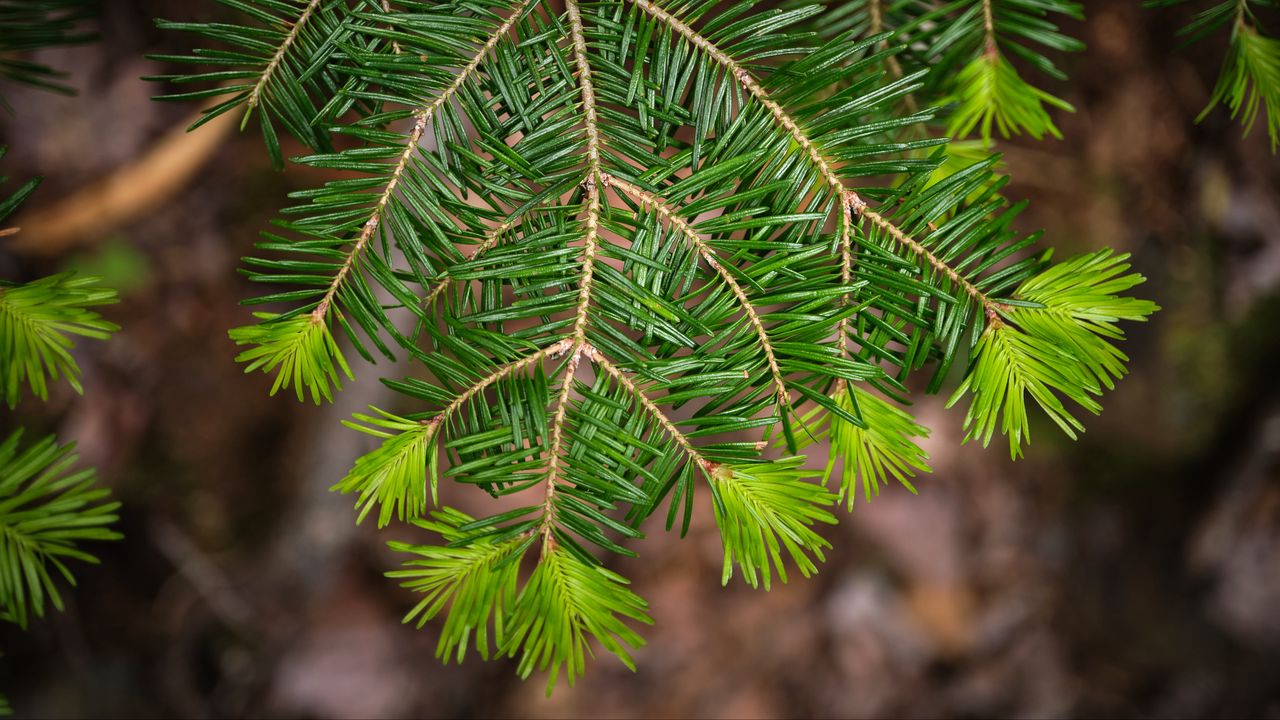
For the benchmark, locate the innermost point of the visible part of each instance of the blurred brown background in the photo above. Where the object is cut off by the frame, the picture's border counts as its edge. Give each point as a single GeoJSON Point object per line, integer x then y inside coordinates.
{"type": "Point", "coordinates": [1134, 573]}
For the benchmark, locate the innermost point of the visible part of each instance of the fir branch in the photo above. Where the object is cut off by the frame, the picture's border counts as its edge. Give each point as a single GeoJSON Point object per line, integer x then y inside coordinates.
{"type": "Point", "coordinates": [491, 240]}
{"type": "Point", "coordinates": [46, 511]}
{"type": "Point", "coordinates": [375, 218]}
{"type": "Point", "coordinates": [989, 26]}
{"type": "Point", "coordinates": [588, 261]}
{"type": "Point", "coordinates": [749, 83]}
{"type": "Point", "coordinates": [845, 230]}
{"type": "Point", "coordinates": [965, 47]}
{"type": "Point", "coordinates": [741, 283]}
{"type": "Point", "coordinates": [879, 449]}
{"type": "Point", "coordinates": [820, 161]}
{"type": "Point", "coordinates": [396, 474]}
{"type": "Point", "coordinates": [503, 371]}
{"type": "Point", "coordinates": [255, 95]}
{"type": "Point", "coordinates": [989, 307]}
{"type": "Point", "coordinates": [277, 348]}
{"type": "Point", "coordinates": [565, 601]}
{"type": "Point", "coordinates": [298, 350]}
{"type": "Point", "coordinates": [990, 94]}
{"type": "Point", "coordinates": [764, 509]}
{"type": "Point", "coordinates": [37, 322]}
{"type": "Point", "coordinates": [27, 25]}
{"type": "Point", "coordinates": [1058, 345]}
{"type": "Point", "coordinates": [709, 256]}
{"type": "Point", "coordinates": [652, 408]}
{"type": "Point", "coordinates": [477, 582]}
{"type": "Point", "coordinates": [422, 117]}
{"type": "Point", "coordinates": [1249, 81]}
{"type": "Point", "coordinates": [282, 63]}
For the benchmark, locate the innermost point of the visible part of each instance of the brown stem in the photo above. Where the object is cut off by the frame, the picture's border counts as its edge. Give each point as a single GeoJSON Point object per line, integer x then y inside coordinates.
{"type": "Point", "coordinates": [490, 240]}
{"type": "Point", "coordinates": [255, 95]}
{"type": "Point", "coordinates": [824, 166]}
{"type": "Point", "coordinates": [989, 26]}
{"type": "Point", "coordinates": [708, 255]}
{"type": "Point", "coordinates": [422, 116]}
{"type": "Point", "coordinates": [589, 248]}
{"type": "Point", "coordinates": [648, 404]}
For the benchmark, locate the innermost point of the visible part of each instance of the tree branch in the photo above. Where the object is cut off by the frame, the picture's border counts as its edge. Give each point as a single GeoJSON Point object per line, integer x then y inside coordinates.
{"type": "Point", "coordinates": [490, 240]}
{"type": "Point", "coordinates": [846, 272]}
{"type": "Point", "coordinates": [989, 26]}
{"type": "Point", "coordinates": [989, 306]}
{"type": "Point", "coordinates": [504, 370]}
{"type": "Point", "coordinates": [255, 95]}
{"type": "Point", "coordinates": [824, 166]}
{"type": "Point", "coordinates": [751, 85]}
{"type": "Point", "coordinates": [666, 212]}
{"type": "Point", "coordinates": [589, 248]}
{"type": "Point", "coordinates": [665, 422]}
{"type": "Point", "coordinates": [421, 117]}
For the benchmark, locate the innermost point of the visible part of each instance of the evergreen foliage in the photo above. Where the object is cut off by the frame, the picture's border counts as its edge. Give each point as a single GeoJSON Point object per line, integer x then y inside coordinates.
{"type": "Point", "coordinates": [964, 52]}
{"type": "Point", "coordinates": [628, 235]}
{"type": "Point", "coordinates": [1056, 345]}
{"type": "Point", "coordinates": [38, 318]}
{"type": "Point", "coordinates": [36, 322]}
{"type": "Point", "coordinates": [46, 511]}
{"type": "Point", "coordinates": [882, 447]}
{"type": "Point", "coordinates": [281, 66]}
{"type": "Point", "coordinates": [1250, 79]}
{"type": "Point", "coordinates": [764, 508]}
{"type": "Point", "coordinates": [33, 24]}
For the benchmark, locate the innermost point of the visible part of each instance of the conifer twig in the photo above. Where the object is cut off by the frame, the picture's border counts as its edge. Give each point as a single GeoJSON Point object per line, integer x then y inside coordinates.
{"type": "Point", "coordinates": [589, 246]}
{"type": "Point", "coordinates": [255, 95]}
{"type": "Point", "coordinates": [491, 239]}
{"type": "Point", "coordinates": [660, 417]}
{"type": "Point", "coordinates": [846, 274]}
{"type": "Point", "coordinates": [708, 255]}
{"type": "Point", "coordinates": [696, 330]}
{"type": "Point", "coordinates": [989, 27]}
{"type": "Point", "coordinates": [422, 117]}
{"type": "Point", "coordinates": [502, 371]}
{"type": "Point", "coordinates": [824, 166]}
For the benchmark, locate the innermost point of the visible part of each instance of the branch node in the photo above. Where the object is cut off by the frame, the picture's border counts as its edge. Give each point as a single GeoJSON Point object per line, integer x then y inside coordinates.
{"type": "Point", "coordinates": [855, 202]}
